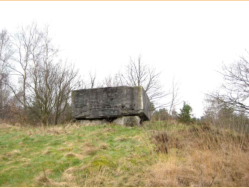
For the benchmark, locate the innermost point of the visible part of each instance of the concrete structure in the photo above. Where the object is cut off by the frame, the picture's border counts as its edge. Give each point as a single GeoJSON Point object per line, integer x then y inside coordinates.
{"type": "Point", "coordinates": [128, 121]}
{"type": "Point", "coordinates": [110, 103]}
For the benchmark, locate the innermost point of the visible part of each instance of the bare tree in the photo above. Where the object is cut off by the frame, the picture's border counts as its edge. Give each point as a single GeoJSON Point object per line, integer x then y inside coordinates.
{"type": "Point", "coordinates": [6, 53]}
{"type": "Point", "coordinates": [66, 82]}
{"type": "Point", "coordinates": [92, 82]}
{"type": "Point", "coordinates": [174, 94]}
{"type": "Point", "coordinates": [92, 79]}
{"type": "Point", "coordinates": [89, 82]}
{"type": "Point", "coordinates": [139, 74]}
{"type": "Point", "coordinates": [52, 91]}
{"type": "Point", "coordinates": [235, 89]}
{"type": "Point", "coordinates": [46, 81]}
{"type": "Point", "coordinates": [112, 81]}
{"type": "Point", "coordinates": [229, 106]}
{"type": "Point", "coordinates": [51, 82]}
{"type": "Point", "coordinates": [211, 109]}
{"type": "Point", "coordinates": [24, 42]}
{"type": "Point", "coordinates": [108, 81]}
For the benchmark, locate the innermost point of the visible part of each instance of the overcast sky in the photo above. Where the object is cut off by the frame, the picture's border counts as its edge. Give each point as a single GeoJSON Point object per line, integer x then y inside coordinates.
{"type": "Point", "coordinates": [185, 40]}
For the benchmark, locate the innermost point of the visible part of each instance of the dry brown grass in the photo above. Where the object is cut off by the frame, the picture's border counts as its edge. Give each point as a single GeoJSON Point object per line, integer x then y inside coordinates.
{"type": "Point", "coordinates": [13, 153]}
{"type": "Point", "coordinates": [160, 139]}
{"type": "Point", "coordinates": [121, 139]}
{"type": "Point", "coordinates": [68, 175]}
{"type": "Point", "coordinates": [201, 156]}
{"type": "Point", "coordinates": [67, 179]}
{"type": "Point", "coordinates": [79, 156]}
{"type": "Point", "coordinates": [5, 126]}
{"type": "Point", "coordinates": [42, 130]}
{"type": "Point", "coordinates": [89, 148]}
{"type": "Point", "coordinates": [8, 126]}
{"type": "Point", "coordinates": [42, 180]}
{"type": "Point", "coordinates": [95, 177]}
{"type": "Point", "coordinates": [192, 156]}
{"type": "Point", "coordinates": [103, 146]}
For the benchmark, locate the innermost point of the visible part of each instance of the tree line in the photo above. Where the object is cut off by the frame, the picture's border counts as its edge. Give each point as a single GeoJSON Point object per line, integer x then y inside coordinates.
{"type": "Point", "coordinates": [227, 107]}
{"type": "Point", "coordinates": [36, 82]}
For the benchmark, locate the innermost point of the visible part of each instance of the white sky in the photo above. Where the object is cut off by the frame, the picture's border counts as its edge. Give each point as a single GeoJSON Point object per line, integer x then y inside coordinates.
{"type": "Point", "coordinates": [185, 40]}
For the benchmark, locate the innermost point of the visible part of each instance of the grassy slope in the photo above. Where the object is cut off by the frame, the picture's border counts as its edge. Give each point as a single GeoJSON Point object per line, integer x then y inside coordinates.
{"type": "Point", "coordinates": [121, 156]}
{"type": "Point", "coordinates": [38, 157]}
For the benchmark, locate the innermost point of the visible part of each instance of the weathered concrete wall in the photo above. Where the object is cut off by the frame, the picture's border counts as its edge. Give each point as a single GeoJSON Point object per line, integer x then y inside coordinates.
{"type": "Point", "coordinates": [110, 102]}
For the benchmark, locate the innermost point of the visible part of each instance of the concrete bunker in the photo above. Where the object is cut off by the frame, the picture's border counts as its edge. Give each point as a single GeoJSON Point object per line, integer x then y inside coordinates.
{"type": "Point", "coordinates": [122, 105]}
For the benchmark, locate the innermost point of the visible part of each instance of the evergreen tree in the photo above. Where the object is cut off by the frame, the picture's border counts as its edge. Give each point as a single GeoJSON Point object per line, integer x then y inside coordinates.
{"type": "Point", "coordinates": [185, 115]}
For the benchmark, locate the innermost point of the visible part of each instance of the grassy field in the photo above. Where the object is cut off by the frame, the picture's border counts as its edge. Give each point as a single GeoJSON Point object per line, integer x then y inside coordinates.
{"type": "Point", "coordinates": [159, 154]}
